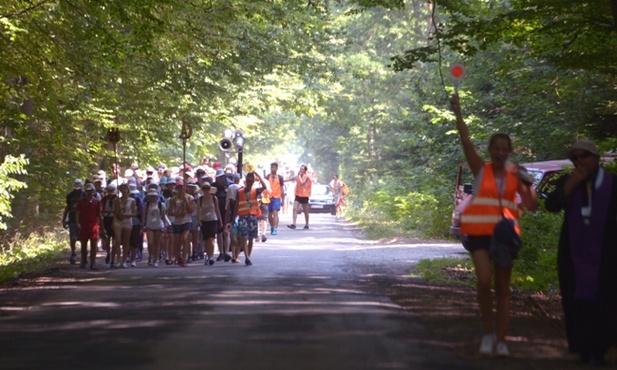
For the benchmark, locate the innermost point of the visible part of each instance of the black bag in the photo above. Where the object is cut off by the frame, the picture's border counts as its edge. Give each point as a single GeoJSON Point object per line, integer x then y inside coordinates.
{"type": "Point", "coordinates": [505, 243]}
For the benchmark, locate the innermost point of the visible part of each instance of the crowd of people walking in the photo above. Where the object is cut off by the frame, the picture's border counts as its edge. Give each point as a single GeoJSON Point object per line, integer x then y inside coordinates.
{"type": "Point", "coordinates": [181, 214]}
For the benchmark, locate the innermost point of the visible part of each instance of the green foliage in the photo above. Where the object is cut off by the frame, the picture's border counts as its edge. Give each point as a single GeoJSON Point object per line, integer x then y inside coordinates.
{"type": "Point", "coordinates": [446, 270]}
{"type": "Point", "coordinates": [536, 267]}
{"type": "Point", "coordinates": [8, 184]}
{"type": "Point", "coordinates": [29, 255]}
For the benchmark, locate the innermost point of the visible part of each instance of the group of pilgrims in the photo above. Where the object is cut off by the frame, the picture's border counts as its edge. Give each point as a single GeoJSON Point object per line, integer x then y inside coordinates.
{"type": "Point", "coordinates": [179, 213]}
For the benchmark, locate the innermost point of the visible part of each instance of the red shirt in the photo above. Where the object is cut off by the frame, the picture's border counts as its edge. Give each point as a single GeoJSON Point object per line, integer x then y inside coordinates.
{"type": "Point", "coordinates": [89, 212]}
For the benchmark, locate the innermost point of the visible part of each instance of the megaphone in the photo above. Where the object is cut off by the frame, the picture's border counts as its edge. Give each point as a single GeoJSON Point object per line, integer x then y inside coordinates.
{"type": "Point", "coordinates": [225, 145]}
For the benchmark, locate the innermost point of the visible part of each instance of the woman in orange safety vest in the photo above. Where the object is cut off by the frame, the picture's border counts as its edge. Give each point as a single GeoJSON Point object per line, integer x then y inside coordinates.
{"type": "Point", "coordinates": [303, 192]}
{"type": "Point", "coordinates": [495, 192]}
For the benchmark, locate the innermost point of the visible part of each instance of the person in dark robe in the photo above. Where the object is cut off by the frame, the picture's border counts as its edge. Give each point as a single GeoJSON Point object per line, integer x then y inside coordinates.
{"type": "Point", "coordinates": [587, 253]}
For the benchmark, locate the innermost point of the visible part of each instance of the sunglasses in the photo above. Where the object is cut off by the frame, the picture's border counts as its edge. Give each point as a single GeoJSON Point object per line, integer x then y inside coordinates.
{"type": "Point", "coordinates": [585, 155]}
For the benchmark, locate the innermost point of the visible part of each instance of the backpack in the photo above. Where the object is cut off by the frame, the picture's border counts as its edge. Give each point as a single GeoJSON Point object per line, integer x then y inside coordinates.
{"type": "Point", "coordinates": [344, 189]}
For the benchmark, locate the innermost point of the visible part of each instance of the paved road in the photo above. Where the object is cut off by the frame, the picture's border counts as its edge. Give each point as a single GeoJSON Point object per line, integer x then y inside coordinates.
{"type": "Point", "coordinates": [308, 302]}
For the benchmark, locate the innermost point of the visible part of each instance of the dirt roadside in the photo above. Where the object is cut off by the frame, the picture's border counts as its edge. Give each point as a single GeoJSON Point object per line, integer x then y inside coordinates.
{"type": "Point", "coordinates": [536, 336]}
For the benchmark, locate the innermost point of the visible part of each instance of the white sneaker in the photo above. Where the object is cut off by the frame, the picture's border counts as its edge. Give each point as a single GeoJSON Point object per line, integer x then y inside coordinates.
{"type": "Point", "coordinates": [501, 349]}
{"type": "Point", "coordinates": [125, 265]}
{"type": "Point", "coordinates": [488, 344]}
{"type": "Point", "coordinates": [156, 264]}
{"type": "Point", "coordinates": [133, 264]}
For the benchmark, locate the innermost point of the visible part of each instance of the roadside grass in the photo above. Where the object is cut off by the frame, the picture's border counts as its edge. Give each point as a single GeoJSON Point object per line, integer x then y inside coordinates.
{"type": "Point", "coordinates": [377, 225]}
{"type": "Point", "coordinates": [35, 253]}
{"type": "Point", "coordinates": [460, 271]}
{"type": "Point", "coordinates": [534, 271]}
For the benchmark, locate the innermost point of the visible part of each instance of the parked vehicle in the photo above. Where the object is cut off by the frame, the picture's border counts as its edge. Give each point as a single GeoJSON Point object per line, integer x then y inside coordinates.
{"type": "Point", "coordinates": [542, 172]}
{"type": "Point", "coordinates": [321, 199]}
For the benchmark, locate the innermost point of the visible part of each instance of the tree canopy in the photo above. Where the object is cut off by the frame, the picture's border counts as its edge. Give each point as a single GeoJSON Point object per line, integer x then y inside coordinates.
{"type": "Point", "coordinates": [358, 87]}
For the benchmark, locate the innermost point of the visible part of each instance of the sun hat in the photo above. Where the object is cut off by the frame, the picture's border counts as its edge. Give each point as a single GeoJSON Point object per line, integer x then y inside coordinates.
{"type": "Point", "coordinates": [219, 173]}
{"type": "Point", "coordinates": [78, 184]}
{"type": "Point", "coordinates": [133, 188]}
{"type": "Point", "coordinates": [90, 187]}
{"type": "Point", "coordinates": [153, 192]}
{"type": "Point", "coordinates": [584, 144]}
{"type": "Point", "coordinates": [111, 189]}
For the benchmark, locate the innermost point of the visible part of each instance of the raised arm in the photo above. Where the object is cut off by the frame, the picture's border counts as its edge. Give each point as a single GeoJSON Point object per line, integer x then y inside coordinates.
{"type": "Point", "coordinates": [473, 159]}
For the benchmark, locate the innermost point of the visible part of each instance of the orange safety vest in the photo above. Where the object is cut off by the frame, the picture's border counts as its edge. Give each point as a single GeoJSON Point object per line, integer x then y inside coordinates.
{"type": "Point", "coordinates": [483, 212]}
{"type": "Point", "coordinates": [250, 206]}
{"type": "Point", "coordinates": [275, 186]}
{"type": "Point", "coordinates": [303, 191]}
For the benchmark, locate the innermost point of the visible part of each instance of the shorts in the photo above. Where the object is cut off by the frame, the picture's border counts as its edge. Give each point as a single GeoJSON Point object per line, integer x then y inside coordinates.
{"type": "Point", "coordinates": [108, 225]}
{"type": "Point", "coordinates": [209, 229]}
{"type": "Point", "coordinates": [179, 229]}
{"type": "Point", "coordinates": [248, 227]}
{"type": "Point", "coordinates": [301, 200]}
{"type": "Point", "coordinates": [89, 233]}
{"type": "Point", "coordinates": [264, 212]}
{"type": "Point", "coordinates": [195, 224]}
{"type": "Point", "coordinates": [135, 237]}
{"type": "Point", "coordinates": [275, 205]}
{"type": "Point", "coordinates": [73, 231]}
{"type": "Point", "coordinates": [477, 242]}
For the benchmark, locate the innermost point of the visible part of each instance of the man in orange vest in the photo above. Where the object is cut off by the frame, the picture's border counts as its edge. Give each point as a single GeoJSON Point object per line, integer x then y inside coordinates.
{"type": "Point", "coordinates": [276, 197]}
{"type": "Point", "coordinates": [303, 192]}
{"type": "Point", "coordinates": [247, 210]}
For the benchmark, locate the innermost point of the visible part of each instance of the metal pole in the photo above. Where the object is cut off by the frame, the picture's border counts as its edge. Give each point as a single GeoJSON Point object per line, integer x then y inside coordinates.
{"type": "Point", "coordinates": [113, 136]}
{"type": "Point", "coordinates": [239, 165]}
{"type": "Point", "coordinates": [187, 131]}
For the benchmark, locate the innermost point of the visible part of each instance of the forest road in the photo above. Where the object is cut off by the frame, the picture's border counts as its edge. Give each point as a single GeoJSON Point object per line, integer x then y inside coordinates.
{"type": "Point", "coordinates": [308, 302]}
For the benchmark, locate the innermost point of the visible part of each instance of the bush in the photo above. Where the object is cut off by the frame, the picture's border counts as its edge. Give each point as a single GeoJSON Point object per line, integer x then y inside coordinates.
{"type": "Point", "coordinates": [536, 267]}
{"type": "Point", "coordinates": [389, 210]}
{"type": "Point", "coordinates": [33, 254]}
